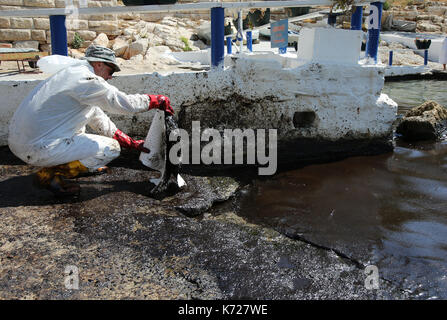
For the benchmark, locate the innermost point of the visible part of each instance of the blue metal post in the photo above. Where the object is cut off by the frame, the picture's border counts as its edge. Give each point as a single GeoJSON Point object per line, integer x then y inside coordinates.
{"type": "Point", "coordinates": [425, 57]}
{"type": "Point", "coordinates": [357, 18]}
{"type": "Point", "coordinates": [58, 35]}
{"type": "Point", "coordinates": [229, 49]}
{"type": "Point", "coordinates": [249, 41]}
{"type": "Point", "coordinates": [390, 60]}
{"type": "Point", "coordinates": [217, 36]}
{"type": "Point", "coordinates": [331, 19]}
{"type": "Point", "coordinates": [374, 23]}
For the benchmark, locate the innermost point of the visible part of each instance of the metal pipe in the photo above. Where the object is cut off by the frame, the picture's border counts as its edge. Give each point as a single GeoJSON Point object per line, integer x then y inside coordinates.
{"type": "Point", "coordinates": [357, 18]}
{"type": "Point", "coordinates": [374, 23]}
{"type": "Point", "coordinates": [331, 19]}
{"type": "Point", "coordinates": [229, 49]}
{"type": "Point", "coordinates": [58, 35]}
{"type": "Point", "coordinates": [217, 36]}
{"type": "Point", "coordinates": [249, 41]}
{"type": "Point", "coordinates": [171, 7]}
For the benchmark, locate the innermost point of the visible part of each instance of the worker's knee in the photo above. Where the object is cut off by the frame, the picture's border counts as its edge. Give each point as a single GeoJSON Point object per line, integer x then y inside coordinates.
{"type": "Point", "coordinates": [108, 152]}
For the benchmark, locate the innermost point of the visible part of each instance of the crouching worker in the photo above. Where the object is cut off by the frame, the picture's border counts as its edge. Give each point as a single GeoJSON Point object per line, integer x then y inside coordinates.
{"type": "Point", "coordinates": [48, 128]}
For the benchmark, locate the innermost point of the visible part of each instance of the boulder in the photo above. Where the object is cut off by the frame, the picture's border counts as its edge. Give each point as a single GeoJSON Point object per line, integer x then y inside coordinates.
{"type": "Point", "coordinates": [154, 40]}
{"type": "Point", "coordinates": [175, 44]}
{"type": "Point", "coordinates": [159, 50]}
{"type": "Point", "coordinates": [165, 32]}
{"type": "Point", "coordinates": [425, 122]}
{"type": "Point", "coordinates": [129, 32]}
{"type": "Point", "coordinates": [204, 32]}
{"type": "Point", "coordinates": [101, 40]}
{"type": "Point", "coordinates": [158, 56]}
{"type": "Point", "coordinates": [169, 21]}
{"type": "Point", "coordinates": [199, 44]}
{"type": "Point", "coordinates": [120, 45]}
{"type": "Point", "coordinates": [427, 27]}
{"type": "Point", "coordinates": [75, 53]}
{"type": "Point", "coordinates": [137, 58]}
{"type": "Point", "coordinates": [138, 47]}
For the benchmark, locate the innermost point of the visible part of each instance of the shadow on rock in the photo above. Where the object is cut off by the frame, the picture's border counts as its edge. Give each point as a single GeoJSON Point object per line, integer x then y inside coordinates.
{"type": "Point", "coordinates": [19, 191]}
{"type": "Point", "coordinates": [197, 197]}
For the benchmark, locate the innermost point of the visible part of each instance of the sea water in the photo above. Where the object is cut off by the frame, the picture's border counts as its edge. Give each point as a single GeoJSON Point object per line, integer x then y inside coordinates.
{"type": "Point", "coordinates": [389, 210]}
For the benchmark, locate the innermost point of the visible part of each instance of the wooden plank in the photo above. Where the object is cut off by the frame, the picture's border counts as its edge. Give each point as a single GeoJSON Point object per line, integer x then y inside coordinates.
{"type": "Point", "coordinates": [20, 56]}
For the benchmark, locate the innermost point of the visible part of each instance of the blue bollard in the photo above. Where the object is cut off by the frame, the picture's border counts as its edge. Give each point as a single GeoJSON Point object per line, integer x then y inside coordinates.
{"type": "Point", "coordinates": [356, 18]}
{"type": "Point", "coordinates": [282, 50]}
{"type": "Point", "coordinates": [229, 49]}
{"type": "Point", "coordinates": [331, 19]}
{"type": "Point", "coordinates": [374, 23]}
{"type": "Point", "coordinates": [425, 57]}
{"type": "Point", "coordinates": [249, 41]}
{"type": "Point", "coordinates": [58, 35]}
{"type": "Point", "coordinates": [390, 60]}
{"type": "Point", "coordinates": [217, 36]}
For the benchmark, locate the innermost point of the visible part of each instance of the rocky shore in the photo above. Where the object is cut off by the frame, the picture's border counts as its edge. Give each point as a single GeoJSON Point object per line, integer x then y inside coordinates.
{"type": "Point", "coordinates": [125, 245]}
{"type": "Point", "coordinates": [119, 243]}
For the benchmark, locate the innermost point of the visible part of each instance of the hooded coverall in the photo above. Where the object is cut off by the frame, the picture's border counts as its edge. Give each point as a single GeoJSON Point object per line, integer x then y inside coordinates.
{"type": "Point", "coordinates": [48, 128]}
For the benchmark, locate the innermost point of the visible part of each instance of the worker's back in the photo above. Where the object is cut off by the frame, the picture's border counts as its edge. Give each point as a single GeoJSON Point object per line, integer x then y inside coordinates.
{"type": "Point", "coordinates": [51, 111]}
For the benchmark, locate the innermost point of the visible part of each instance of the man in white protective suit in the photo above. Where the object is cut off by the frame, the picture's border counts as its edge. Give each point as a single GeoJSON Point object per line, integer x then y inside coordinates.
{"type": "Point", "coordinates": [48, 128]}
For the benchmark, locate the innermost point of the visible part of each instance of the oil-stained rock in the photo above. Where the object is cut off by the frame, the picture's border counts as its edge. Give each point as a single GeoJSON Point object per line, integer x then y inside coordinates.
{"type": "Point", "coordinates": [124, 244]}
{"type": "Point", "coordinates": [203, 192]}
{"type": "Point", "coordinates": [425, 122]}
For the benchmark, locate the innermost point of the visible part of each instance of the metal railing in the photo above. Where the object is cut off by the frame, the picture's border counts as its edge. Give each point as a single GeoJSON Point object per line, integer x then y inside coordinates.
{"type": "Point", "coordinates": [59, 32]}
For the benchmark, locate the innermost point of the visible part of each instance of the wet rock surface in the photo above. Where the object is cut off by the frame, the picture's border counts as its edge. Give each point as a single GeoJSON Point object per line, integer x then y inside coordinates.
{"type": "Point", "coordinates": [127, 245]}
{"type": "Point", "coordinates": [425, 122]}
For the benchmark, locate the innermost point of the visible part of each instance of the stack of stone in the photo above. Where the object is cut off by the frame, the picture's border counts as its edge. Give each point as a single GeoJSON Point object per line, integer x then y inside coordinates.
{"type": "Point", "coordinates": [430, 16]}
{"type": "Point", "coordinates": [35, 32]}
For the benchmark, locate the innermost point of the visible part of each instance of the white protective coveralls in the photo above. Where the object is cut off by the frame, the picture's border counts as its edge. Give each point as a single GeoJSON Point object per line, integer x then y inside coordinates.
{"type": "Point", "coordinates": [443, 53]}
{"type": "Point", "coordinates": [48, 128]}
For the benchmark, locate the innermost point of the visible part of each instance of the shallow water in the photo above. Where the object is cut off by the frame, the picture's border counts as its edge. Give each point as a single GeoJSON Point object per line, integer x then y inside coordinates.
{"type": "Point", "coordinates": [412, 93]}
{"type": "Point", "coordinates": [388, 210]}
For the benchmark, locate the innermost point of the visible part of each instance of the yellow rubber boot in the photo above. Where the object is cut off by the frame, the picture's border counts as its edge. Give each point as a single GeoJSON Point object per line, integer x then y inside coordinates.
{"type": "Point", "coordinates": [43, 177]}
{"type": "Point", "coordinates": [52, 178]}
{"type": "Point", "coordinates": [70, 170]}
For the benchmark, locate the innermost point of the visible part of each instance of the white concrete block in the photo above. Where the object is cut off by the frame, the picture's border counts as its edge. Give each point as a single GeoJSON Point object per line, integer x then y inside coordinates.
{"type": "Point", "coordinates": [329, 45]}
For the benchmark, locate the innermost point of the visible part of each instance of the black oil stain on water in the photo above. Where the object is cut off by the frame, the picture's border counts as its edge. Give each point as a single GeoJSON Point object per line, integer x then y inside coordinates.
{"type": "Point", "coordinates": [388, 210]}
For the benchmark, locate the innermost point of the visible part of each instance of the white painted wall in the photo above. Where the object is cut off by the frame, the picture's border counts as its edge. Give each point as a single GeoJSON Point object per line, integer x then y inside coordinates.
{"type": "Point", "coordinates": [329, 45]}
{"type": "Point", "coordinates": [346, 98]}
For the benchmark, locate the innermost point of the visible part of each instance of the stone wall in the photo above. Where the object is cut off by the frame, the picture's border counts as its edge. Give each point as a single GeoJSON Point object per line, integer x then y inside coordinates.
{"type": "Point", "coordinates": [35, 32]}
{"type": "Point", "coordinates": [430, 16]}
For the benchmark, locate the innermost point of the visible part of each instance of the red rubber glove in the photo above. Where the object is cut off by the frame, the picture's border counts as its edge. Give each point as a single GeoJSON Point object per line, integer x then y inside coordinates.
{"type": "Point", "coordinates": [127, 142]}
{"type": "Point", "coordinates": [160, 102]}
